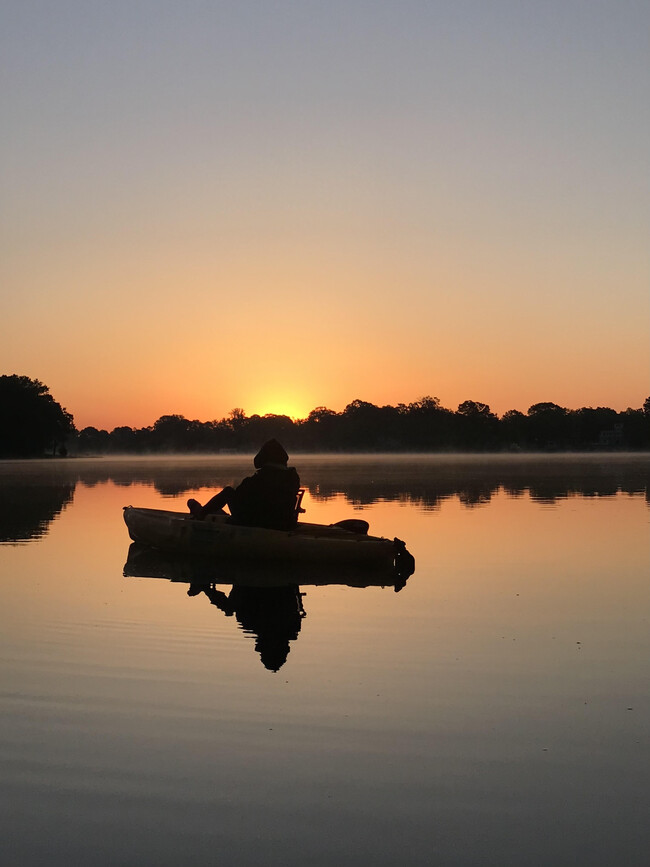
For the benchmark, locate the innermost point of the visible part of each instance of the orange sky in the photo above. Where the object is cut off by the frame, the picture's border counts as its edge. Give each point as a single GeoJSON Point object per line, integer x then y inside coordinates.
{"type": "Point", "coordinates": [258, 207]}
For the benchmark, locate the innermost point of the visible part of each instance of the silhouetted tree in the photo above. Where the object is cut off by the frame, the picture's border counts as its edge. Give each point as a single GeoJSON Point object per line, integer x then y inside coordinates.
{"type": "Point", "coordinates": [513, 428]}
{"type": "Point", "coordinates": [361, 424]}
{"type": "Point", "coordinates": [31, 421]}
{"type": "Point", "coordinates": [423, 425]}
{"type": "Point", "coordinates": [125, 439]}
{"type": "Point", "coordinates": [320, 429]}
{"type": "Point", "coordinates": [548, 425]}
{"type": "Point", "coordinates": [93, 441]}
{"type": "Point", "coordinates": [589, 424]}
{"type": "Point", "coordinates": [636, 427]}
{"type": "Point", "coordinates": [173, 433]}
{"type": "Point", "coordinates": [259, 429]}
{"type": "Point", "coordinates": [477, 425]}
{"type": "Point", "coordinates": [237, 418]}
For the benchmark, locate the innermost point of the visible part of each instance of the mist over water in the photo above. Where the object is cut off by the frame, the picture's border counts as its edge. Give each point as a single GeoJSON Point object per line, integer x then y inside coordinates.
{"type": "Point", "coordinates": [423, 479]}
{"type": "Point", "coordinates": [492, 712]}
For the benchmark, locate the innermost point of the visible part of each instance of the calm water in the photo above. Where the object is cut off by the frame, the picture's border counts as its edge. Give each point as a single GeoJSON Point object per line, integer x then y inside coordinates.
{"type": "Point", "coordinates": [495, 711]}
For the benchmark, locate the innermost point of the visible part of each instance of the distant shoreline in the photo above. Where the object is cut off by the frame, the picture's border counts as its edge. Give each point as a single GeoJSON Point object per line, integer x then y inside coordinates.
{"type": "Point", "coordinates": [153, 456]}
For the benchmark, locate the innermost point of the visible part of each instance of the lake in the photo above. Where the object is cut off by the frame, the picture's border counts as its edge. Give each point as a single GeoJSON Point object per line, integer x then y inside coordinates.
{"type": "Point", "coordinates": [494, 711]}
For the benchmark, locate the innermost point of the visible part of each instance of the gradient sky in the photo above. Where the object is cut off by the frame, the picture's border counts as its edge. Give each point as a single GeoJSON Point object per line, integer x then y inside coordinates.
{"type": "Point", "coordinates": [283, 205]}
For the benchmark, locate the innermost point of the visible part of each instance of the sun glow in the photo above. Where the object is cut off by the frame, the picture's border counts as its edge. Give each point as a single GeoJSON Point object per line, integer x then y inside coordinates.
{"type": "Point", "coordinates": [280, 404]}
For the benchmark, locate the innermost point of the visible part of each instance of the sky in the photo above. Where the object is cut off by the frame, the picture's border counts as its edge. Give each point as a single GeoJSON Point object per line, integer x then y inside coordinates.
{"type": "Point", "coordinates": [282, 205]}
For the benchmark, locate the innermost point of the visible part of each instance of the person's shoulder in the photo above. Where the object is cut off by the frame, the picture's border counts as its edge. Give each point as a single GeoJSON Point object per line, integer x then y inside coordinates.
{"type": "Point", "coordinates": [293, 472]}
{"type": "Point", "coordinates": [249, 480]}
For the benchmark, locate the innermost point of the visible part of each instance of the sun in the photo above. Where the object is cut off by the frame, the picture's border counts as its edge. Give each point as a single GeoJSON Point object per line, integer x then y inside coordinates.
{"type": "Point", "coordinates": [280, 404]}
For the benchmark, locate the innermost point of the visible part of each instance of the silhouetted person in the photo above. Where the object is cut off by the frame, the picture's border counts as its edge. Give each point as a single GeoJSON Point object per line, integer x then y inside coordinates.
{"type": "Point", "coordinates": [266, 499]}
{"type": "Point", "coordinates": [272, 614]}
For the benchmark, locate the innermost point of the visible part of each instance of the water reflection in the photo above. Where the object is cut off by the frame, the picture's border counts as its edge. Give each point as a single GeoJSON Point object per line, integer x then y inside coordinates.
{"type": "Point", "coordinates": [422, 480]}
{"type": "Point", "coordinates": [33, 493]}
{"type": "Point", "coordinates": [265, 601]}
{"type": "Point", "coordinates": [463, 713]}
{"type": "Point", "coordinates": [428, 480]}
{"type": "Point", "coordinates": [27, 511]}
{"type": "Point", "coordinates": [272, 615]}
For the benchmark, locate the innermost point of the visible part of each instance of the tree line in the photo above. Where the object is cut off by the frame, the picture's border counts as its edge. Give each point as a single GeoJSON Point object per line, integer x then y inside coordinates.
{"type": "Point", "coordinates": [424, 425]}
{"type": "Point", "coordinates": [33, 423]}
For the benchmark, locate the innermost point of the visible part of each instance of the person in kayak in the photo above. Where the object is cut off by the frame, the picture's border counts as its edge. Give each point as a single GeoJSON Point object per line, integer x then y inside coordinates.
{"type": "Point", "coordinates": [267, 499]}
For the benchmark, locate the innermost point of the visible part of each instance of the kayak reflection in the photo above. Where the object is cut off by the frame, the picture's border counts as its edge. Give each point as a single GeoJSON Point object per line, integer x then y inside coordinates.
{"type": "Point", "coordinates": [265, 601]}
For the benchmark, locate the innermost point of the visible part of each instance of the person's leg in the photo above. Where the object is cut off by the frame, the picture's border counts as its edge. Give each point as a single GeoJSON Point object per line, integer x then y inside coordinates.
{"type": "Point", "coordinates": [216, 504]}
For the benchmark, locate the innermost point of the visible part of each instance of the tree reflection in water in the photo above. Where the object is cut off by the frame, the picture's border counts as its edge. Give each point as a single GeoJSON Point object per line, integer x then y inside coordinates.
{"type": "Point", "coordinates": [26, 511]}
{"type": "Point", "coordinates": [32, 494]}
{"type": "Point", "coordinates": [422, 480]}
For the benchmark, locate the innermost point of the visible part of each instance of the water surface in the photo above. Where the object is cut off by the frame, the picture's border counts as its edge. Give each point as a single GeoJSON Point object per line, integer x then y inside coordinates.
{"type": "Point", "coordinates": [492, 712]}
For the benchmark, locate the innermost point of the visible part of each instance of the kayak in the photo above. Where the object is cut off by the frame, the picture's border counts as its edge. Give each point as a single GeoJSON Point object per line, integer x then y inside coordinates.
{"type": "Point", "coordinates": [178, 532]}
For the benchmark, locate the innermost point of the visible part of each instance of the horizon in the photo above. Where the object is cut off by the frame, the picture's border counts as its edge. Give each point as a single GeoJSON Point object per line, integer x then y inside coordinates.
{"type": "Point", "coordinates": [339, 412]}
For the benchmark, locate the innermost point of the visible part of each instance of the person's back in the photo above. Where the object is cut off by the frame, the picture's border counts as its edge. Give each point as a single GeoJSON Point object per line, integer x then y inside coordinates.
{"type": "Point", "coordinates": [267, 499]}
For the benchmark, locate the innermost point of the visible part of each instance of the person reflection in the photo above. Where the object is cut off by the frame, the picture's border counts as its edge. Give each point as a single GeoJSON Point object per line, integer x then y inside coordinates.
{"type": "Point", "coordinates": [272, 614]}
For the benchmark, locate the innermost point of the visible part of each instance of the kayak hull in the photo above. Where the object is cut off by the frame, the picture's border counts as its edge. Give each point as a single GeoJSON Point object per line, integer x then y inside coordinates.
{"type": "Point", "coordinates": [177, 532]}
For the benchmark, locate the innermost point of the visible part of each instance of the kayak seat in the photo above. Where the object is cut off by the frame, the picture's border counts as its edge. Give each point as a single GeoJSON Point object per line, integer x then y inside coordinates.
{"type": "Point", "coordinates": [298, 509]}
